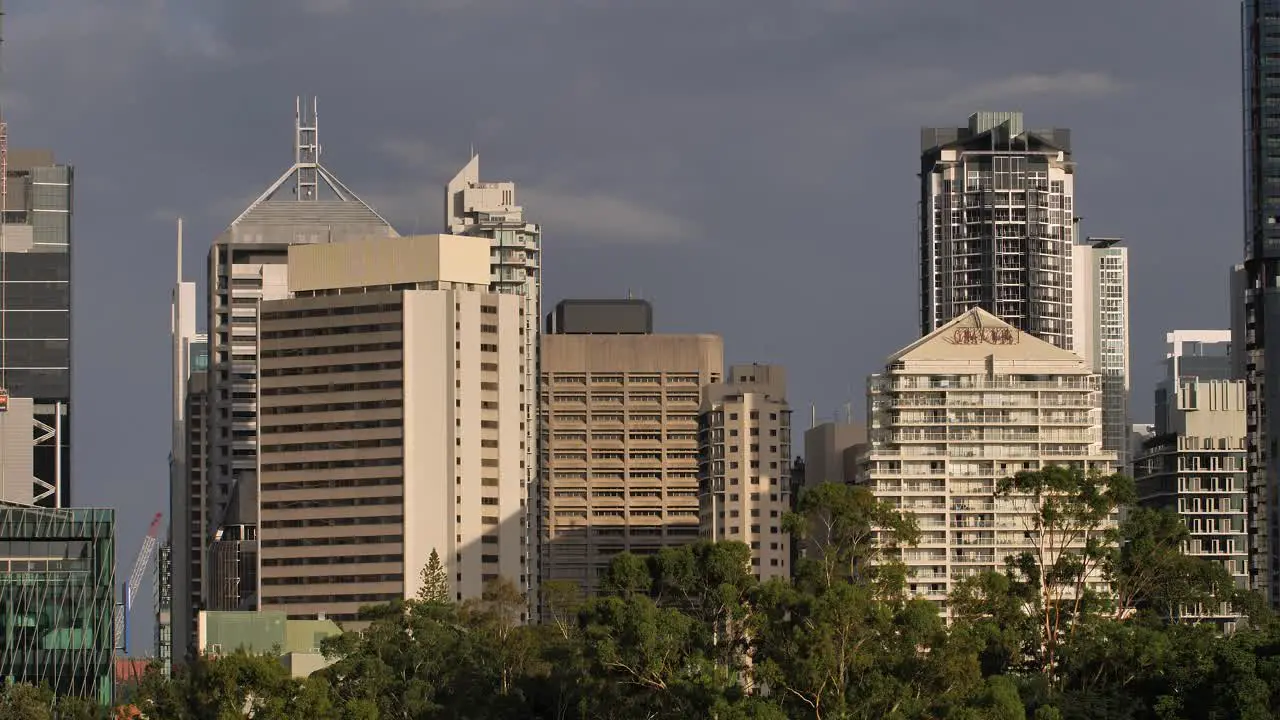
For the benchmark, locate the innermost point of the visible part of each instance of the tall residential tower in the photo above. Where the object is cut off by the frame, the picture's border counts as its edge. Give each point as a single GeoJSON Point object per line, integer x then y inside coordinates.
{"type": "Point", "coordinates": [1260, 286]}
{"type": "Point", "coordinates": [1100, 323]}
{"type": "Point", "coordinates": [997, 225]}
{"type": "Point", "coordinates": [489, 210]}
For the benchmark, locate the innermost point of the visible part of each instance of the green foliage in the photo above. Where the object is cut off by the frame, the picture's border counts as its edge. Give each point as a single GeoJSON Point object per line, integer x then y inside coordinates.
{"type": "Point", "coordinates": [435, 581]}
{"type": "Point", "coordinates": [690, 633]}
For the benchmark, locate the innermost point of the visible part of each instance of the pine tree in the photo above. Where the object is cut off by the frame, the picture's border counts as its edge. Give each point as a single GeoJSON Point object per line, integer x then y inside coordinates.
{"type": "Point", "coordinates": [435, 581]}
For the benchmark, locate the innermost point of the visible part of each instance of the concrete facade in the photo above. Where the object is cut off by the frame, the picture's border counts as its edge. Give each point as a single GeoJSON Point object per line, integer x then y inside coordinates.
{"type": "Point", "coordinates": [745, 443]}
{"type": "Point", "coordinates": [391, 424]}
{"type": "Point", "coordinates": [620, 447]}
{"type": "Point", "coordinates": [1196, 467]}
{"type": "Point", "coordinates": [952, 414]}
{"type": "Point", "coordinates": [827, 451]}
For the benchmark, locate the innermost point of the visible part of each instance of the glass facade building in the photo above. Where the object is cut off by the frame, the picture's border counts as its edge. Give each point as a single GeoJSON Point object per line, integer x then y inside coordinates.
{"type": "Point", "coordinates": [35, 304]}
{"type": "Point", "coordinates": [1261, 285]}
{"type": "Point", "coordinates": [57, 600]}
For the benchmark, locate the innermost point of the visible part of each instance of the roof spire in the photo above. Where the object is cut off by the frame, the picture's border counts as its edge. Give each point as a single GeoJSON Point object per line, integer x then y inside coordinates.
{"type": "Point", "coordinates": [306, 151]}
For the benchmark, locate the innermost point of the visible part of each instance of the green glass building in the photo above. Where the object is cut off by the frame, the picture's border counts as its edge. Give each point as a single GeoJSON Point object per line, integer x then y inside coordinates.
{"type": "Point", "coordinates": [57, 598]}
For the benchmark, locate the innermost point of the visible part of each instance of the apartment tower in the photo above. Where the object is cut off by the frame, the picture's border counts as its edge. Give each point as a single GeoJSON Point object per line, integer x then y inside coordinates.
{"type": "Point", "coordinates": [620, 408]}
{"type": "Point", "coordinates": [745, 439]}
{"type": "Point", "coordinates": [971, 403]}
{"type": "Point", "coordinates": [1100, 297]}
{"type": "Point", "coordinates": [1259, 283]}
{"type": "Point", "coordinates": [1194, 463]}
{"type": "Point", "coordinates": [489, 210]}
{"type": "Point", "coordinates": [997, 225]}
{"type": "Point", "coordinates": [248, 265]}
{"type": "Point", "coordinates": [35, 337]}
{"type": "Point", "coordinates": [391, 424]}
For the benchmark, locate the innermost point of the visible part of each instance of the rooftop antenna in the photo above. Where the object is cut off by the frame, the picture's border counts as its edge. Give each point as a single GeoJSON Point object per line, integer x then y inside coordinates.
{"type": "Point", "coordinates": [179, 250]}
{"type": "Point", "coordinates": [473, 151]}
{"type": "Point", "coordinates": [813, 416]}
{"type": "Point", "coordinates": [306, 151]}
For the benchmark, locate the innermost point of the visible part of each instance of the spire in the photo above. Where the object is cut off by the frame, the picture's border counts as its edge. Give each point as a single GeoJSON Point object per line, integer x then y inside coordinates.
{"type": "Point", "coordinates": [179, 278]}
{"type": "Point", "coordinates": [306, 153]}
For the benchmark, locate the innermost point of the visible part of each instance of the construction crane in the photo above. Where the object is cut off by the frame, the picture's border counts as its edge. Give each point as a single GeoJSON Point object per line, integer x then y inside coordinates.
{"type": "Point", "coordinates": [130, 588]}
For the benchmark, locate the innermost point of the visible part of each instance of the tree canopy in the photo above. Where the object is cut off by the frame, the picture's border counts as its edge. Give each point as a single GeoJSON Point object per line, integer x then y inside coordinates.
{"type": "Point", "coordinates": [689, 632]}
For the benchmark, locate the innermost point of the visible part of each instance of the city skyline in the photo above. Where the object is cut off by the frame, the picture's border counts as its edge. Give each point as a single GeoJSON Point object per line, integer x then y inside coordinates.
{"type": "Point", "coordinates": [590, 198]}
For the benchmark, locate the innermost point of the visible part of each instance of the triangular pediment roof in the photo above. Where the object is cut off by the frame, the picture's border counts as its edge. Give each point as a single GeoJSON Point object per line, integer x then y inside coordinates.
{"type": "Point", "coordinates": [977, 334]}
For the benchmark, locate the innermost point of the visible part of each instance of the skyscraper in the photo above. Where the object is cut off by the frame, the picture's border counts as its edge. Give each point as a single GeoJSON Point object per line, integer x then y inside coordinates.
{"type": "Point", "coordinates": [1100, 325]}
{"type": "Point", "coordinates": [391, 425]}
{"type": "Point", "coordinates": [35, 329]}
{"type": "Point", "coordinates": [248, 264]}
{"type": "Point", "coordinates": [489, 210]}
{"type": "Point", "coordinates": [1261, 320]}
{"type": "Point", "coordinates": [186, 536]}
{"type": "Point", "coordinates": [997, 225]}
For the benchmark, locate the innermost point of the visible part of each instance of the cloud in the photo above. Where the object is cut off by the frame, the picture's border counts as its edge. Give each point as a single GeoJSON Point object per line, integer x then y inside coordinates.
{"type": "Point", "coordinates": [1021, 88]}
{"type": "Point", "coordinates": [601, 218]}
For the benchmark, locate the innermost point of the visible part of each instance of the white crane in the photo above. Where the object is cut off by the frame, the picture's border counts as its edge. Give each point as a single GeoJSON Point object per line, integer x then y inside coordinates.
{"type": "Point", "coordinates": [130, 589]}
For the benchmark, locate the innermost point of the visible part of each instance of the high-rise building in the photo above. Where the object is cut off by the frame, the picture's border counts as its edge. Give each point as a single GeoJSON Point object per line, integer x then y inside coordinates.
{"type": "Point", "coordinates": [1261, 317]}
{"type": "Point", "coordinates": [997, 225]}
{"type": "Point", "coordinates": [57, 599]}
{"type": "Point", "coordinates": [186, 535]}
{"type": "Point", "coordinates": [620, 409]}
{"type": "Point", "coordinates": [746, 465]}
{"type": "Point", "coordinates": [1194, 463]}
{"type": "Point", "coordinates": [35, 329]}
{"type": "Point", "coordinates": [489, 210]}
{"type": "Point", "coordinates": [955, 412]}
{"type": "Point", "coordinates": [391, 424]}
{"type": "Point", "coordinates": [1100, 326]}
{"type": "Point", "coordinates": [308, 204]}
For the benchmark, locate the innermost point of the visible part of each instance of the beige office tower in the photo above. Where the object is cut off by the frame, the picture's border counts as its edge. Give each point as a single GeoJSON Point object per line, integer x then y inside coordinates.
{"type": "Point", "coordinates": [390, 425]}
{"type": "Point", "coordinates": [953, 413]}
{"type": "Point", "coordinates": [746, 465]}
{"type": "Point", "coordinates": [620, 436]}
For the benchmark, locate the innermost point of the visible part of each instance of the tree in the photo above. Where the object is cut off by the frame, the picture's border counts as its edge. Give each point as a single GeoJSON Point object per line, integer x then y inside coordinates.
{"type": "Point", "coordinates": [1151, 572]}
{"type": "Point", "coordinates": [435, 588]}
{"type": "Point", "coordinates": [846, 528]}
{"type": "Point", "coordinates": [1069, 518]}
{"type": "Point", "coordinates": [21, 701]}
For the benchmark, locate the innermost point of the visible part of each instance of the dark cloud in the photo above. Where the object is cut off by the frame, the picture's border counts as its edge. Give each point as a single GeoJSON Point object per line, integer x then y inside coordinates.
{"type": "Point", "coordinates": [749, 167]}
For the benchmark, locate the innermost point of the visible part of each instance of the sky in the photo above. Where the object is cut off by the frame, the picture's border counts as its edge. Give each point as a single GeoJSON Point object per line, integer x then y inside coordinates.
{"type": "Point", "coordinates": [750, 168]}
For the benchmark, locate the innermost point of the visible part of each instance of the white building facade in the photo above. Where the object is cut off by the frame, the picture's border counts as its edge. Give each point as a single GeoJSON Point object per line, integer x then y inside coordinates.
{"type": "Point", "coordinates": [1101, 328]}
{"type": "Point", "coordinates": [969, 404]}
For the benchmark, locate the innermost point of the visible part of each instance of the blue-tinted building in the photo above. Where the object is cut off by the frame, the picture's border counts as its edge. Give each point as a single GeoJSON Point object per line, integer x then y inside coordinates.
{"type": "Point", "coordinates": [57, 600]}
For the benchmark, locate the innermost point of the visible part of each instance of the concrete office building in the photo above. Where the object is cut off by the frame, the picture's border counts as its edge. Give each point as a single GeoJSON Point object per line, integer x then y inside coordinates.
{"type": "Point", "coordinates": [831, 452]}
{"type": "Point", "coordinates": [489, 210]}
{"type": "Point", "coordinates": [997, 225]}
{"type": "Point", "coordinates": [35, 337]}
{"type": "Point", "coordinates": [1259, 324]}
{"type": "Point", "coordinates": [745, 443]}
{"type": "Point", "coordinates": [1100, 325]}
{"type": "Point", "coordinates": [1195, 461]}
{"type": "Point", "coordinates": [308, 204]}
{"type": "Point", "coordinates": [386, 340]}
{"type": "Point", "coordinates": [619, 438]}
{"type": "Point", "coordinates": [969, 404]}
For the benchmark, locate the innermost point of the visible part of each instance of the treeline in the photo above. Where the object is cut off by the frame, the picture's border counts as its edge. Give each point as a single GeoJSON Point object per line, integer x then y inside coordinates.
{"type": "Point", "coordinates": [1112, 629]}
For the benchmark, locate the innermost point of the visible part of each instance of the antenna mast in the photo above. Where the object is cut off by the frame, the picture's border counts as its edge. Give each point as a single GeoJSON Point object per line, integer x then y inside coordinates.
{"type": "Point", "coordinates": [306, 151]}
